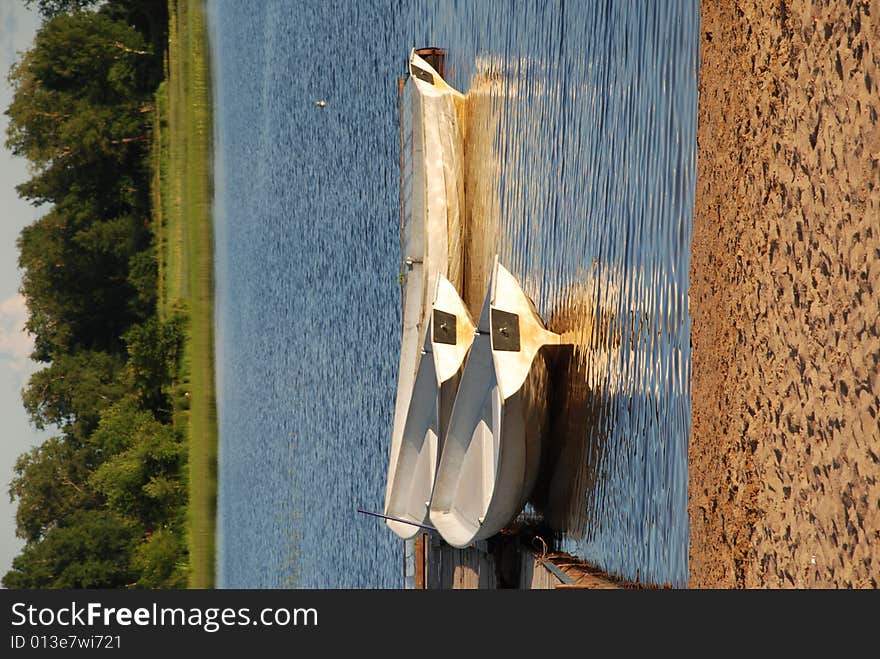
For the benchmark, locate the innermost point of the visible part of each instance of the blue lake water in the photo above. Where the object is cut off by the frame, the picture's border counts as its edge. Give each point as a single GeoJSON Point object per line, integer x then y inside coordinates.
{"type": "Point", "coordinates": [581, 152]}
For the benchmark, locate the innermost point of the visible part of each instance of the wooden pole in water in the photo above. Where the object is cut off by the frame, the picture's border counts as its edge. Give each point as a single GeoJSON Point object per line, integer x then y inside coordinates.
{"type": "Point", "coordinates": [434, 56]}
{"type": "Point", "coordinates": [420, 561]}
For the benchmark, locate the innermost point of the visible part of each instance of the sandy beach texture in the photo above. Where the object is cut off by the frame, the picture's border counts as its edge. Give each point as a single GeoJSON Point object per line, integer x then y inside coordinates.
{"type": "Point", "coordinates": [784, 458]}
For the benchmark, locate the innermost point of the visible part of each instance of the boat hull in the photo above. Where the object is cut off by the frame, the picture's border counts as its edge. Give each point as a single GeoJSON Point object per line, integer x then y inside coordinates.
{"type": "Point", "coordinates": [409, 491]}
{"type": "Point", "coordinates": [492, 449]}
{"type": "Point", "coordinates": [433, 191]}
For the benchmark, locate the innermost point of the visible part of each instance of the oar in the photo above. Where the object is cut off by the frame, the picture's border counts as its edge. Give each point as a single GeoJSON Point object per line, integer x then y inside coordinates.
{"type": "Point", "coordinates": [397, 519]}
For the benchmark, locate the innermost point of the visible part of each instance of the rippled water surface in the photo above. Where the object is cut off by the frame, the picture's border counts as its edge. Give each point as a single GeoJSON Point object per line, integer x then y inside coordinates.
{"type": "Point", "coordinates": [580, 164]}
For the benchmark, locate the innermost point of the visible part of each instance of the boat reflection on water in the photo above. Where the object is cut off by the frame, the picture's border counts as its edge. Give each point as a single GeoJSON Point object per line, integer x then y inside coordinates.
{"type": "Point", "coordinates": [573, 461]}
{"type": "Point", "coordinates": [607, 384]}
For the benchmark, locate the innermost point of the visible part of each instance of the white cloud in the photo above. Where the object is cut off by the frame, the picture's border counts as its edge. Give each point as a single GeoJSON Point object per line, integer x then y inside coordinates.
{"type": "Point", "coordinates": [15, 343]}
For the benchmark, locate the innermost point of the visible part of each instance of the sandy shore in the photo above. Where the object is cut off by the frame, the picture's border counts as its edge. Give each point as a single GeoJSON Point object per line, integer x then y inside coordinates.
{"type": "Point", "coordinates": [785, 282]}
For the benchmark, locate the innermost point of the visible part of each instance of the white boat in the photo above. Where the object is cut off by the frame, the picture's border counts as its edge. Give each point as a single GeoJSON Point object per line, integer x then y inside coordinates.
{"type": "Point", "coordinates": [433, 190]}
{"type": "Point", "coordinates": [492, 447]}
{"type": "Point", "coordinates": [449, 336]}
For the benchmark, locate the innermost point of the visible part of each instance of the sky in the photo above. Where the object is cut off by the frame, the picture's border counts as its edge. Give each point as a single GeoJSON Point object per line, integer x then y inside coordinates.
{"type": "Point", "coordinates": [17, 28]}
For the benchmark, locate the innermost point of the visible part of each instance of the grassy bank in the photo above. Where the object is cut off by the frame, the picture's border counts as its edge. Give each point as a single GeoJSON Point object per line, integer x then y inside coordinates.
{"type": "Point", "coordinates": [182, 194]}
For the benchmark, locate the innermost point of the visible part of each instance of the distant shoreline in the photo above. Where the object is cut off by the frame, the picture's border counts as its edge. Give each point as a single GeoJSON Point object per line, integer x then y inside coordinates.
{"type": "Point", "coordinates": [784, 472]}
{"type": "Point", "coordinates": [183, 189]}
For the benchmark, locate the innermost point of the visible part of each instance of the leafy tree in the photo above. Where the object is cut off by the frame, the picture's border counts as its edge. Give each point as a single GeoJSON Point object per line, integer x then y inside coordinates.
{"type": "Point", "coordinates": [113, 240]}
{"type": "Point", "coordinates": [50, 483]}
{"type": "Point", "coordinates": [146, 15]}
{"type": "Point", "coordinates": [90, 55]}
{"type": "Point", "coordinates": [119, 426]}
{"type": "Point", "coordinates": [78, 114]}
{"type": "Point", "coordinates": [143, 481]}
{"type": "Point", "coordinates": [160, 561]}
{"type": "Point", "coordinates": [153, 351]}
{"type": "Point", "coordinates": [106, 187]}
{"type": "Point", "coordinates": [42, 258]}
{"type": "Point", "coordinates": [74, 389]}
{"type": "Point", "coordinates": [75, 280]}
{"type": "Point", "coordinates": [103, 504]}
{"type": "Point", "coordinates": [81, 94]}
{"type": "Point", "coordinates": [88, 549]}
{"type": "Point", "coordinates": [143, 277]}
{"type": "Point", "coordinates": [141, 464]}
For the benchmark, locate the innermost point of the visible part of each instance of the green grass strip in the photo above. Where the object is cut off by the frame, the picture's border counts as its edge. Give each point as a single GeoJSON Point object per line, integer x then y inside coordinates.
{"type": "Point", "coordinates": [182, 196]}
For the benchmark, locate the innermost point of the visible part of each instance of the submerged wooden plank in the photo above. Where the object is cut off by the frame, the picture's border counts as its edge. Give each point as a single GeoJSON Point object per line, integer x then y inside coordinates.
{"type": "Point", "coordinates": [510, 562]}
{"type": "Point", "coordinates": [561, 571]}
{"type": "Point", "coordinates": [448, 568]}
{"type": "Point", "coordinates": [534, 575]}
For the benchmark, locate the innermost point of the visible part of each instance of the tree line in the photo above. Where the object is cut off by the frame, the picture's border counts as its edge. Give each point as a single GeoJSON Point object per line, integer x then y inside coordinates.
{"type": "Point", "coordinates": [102, 503]}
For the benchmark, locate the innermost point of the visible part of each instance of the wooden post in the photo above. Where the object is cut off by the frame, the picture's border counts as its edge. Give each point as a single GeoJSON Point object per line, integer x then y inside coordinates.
{"type": "Point", "coordinates": [436, 57]}
{"type": "Point", "coordinates": [420, 562]}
